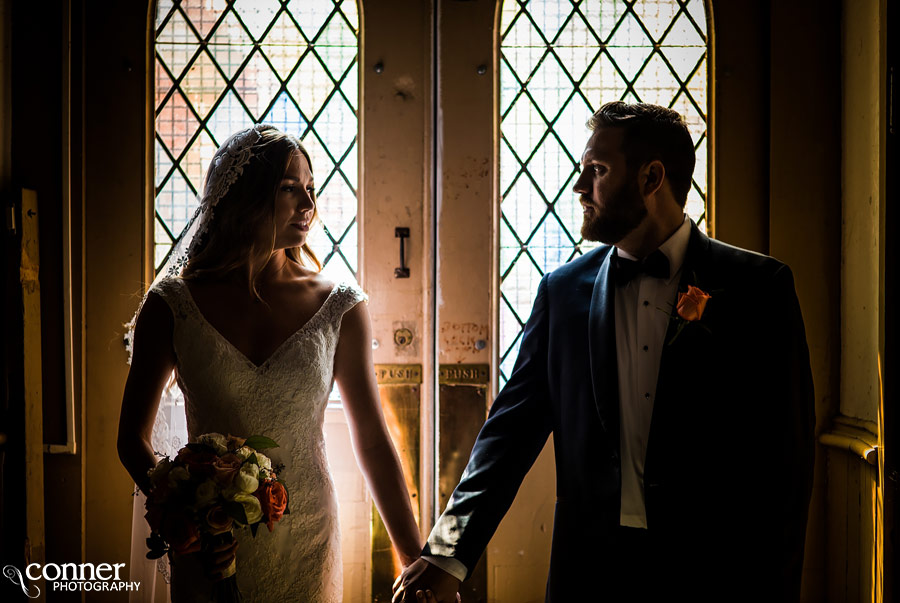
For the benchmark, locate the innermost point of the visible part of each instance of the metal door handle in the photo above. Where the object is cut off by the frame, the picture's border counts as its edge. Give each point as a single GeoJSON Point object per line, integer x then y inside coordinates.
{"type": "Point", "coordinates": [402, 233]}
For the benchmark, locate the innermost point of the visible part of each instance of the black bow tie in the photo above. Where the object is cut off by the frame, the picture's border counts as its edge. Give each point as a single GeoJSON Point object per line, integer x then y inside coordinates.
{"type": "Point", "coordinates": [656, 265]}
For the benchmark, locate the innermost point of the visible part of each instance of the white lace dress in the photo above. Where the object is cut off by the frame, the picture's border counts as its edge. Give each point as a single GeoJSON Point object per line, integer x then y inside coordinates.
{"type": "Point", "coordinates": [284, 398]}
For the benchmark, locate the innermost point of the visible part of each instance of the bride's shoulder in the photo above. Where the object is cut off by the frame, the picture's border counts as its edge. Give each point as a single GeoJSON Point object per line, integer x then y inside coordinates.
{"type": "Point", "coordinates": [168, 288]}
{"type": "Point", "coordinates": [349, 292]}
{"type": "Point", "coordinates": [336, 296]}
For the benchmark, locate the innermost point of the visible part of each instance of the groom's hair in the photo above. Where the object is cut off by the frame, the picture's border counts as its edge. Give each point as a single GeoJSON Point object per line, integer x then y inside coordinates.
{"type": "Point", "coordinates": [652, 132]}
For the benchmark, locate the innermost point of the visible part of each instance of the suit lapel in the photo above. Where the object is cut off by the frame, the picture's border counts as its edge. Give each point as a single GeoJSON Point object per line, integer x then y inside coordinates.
{"type": "Point", "coordinates": [691, 269]}
{"type": "Point", "coordinates": [602, 348]}
{"type": "Point", "coordinates": [679, 358]}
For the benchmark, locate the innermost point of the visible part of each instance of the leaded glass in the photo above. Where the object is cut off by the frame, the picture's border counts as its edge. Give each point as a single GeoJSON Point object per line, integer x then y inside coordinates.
{"type": "Point", "coordinates": [560, 60]}
{"type": "Point", "coordinates": [224, 65]}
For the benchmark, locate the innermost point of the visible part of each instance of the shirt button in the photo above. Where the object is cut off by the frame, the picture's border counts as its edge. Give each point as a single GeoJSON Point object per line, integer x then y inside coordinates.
{"type": "Point", "coordinates": [647, 395]}
{"type": "Point", "coordinates": [646, 303]}
{"type": "Point", "coordinates": [646, 348]}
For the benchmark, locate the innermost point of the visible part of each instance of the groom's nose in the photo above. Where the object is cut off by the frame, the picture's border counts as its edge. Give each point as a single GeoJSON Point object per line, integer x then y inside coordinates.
{"type": "Point", "coordinates": [581, 186]}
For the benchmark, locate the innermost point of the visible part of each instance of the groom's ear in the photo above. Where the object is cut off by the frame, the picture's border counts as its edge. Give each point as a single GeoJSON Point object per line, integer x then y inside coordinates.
{"type": "Point", "coordinates": [652, 176]}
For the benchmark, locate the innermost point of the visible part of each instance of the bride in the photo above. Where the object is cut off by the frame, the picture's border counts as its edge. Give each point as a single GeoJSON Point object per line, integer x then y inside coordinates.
{"type": "Point", "coordinates": [256, 339]}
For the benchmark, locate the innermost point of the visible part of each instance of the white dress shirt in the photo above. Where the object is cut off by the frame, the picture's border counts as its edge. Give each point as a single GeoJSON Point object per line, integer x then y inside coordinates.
{"type": "Point", "coordinates": [642, 309]}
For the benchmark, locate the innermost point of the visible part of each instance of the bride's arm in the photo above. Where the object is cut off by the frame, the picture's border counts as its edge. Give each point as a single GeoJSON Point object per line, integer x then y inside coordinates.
{"type": "Point", "coordinates": [355, 376]}
{"type": "Point", "coordinates": [152, 362]}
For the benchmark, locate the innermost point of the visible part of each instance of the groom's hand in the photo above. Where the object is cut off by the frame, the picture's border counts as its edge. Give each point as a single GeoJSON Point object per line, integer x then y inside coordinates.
{"type": "Point", "coordinates": [421, 576]}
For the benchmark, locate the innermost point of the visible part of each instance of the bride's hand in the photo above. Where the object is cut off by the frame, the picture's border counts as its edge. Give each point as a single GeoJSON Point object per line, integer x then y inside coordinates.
{"type": "Point", "coordinates": [221, 559]}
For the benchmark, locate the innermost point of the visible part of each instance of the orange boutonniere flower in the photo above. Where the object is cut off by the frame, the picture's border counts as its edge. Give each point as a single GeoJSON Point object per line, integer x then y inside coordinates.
{"type": "Point", "coordinates": [692, 303]}
{"type": "Point", "coordinates": [689, 309]}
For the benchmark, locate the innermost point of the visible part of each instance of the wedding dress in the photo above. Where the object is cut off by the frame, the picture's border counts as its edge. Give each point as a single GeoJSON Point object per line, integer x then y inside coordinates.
{"type": "Point", "coordinates": [283, 398]}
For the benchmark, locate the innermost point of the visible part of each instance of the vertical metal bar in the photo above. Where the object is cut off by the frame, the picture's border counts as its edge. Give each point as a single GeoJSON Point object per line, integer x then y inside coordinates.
{"type": "Point", "coordinates": [68, 350]}
{"type": "Point", "coordinates": [34, 420]}
{"type": "Point", "coordinates": [431, 419]}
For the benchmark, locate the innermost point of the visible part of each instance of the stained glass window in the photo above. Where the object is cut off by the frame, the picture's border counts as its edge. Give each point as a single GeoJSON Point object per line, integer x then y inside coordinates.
{"type": "Point", "coordinates": [560, 60]}
{"type": "Point", "coordinates": [224, 65]}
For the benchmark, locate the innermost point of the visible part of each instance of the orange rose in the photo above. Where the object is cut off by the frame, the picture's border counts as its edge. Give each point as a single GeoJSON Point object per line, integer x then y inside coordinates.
{"type": "Point", "coordinates": [273, 500]}
{"type": "Point", "coordinates": [691, 304]}
{"type": "Point", "coordinates": [181, 533]}
{"type": "Point", "coordinates": [226, 467]}
{"type": "Point", "coordinates": [219, 521]}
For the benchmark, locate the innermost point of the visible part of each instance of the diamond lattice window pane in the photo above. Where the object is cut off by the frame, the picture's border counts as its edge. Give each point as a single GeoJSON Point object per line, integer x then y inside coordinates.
{"type": "Point", "coordinates": [229, 117]}
{"type": "Point", "coordinates": [560, 60]}
{"type": "Point", "coordinates": [203, 84]}
{"type": "Point", "coordinates": [657, 83]}
{"type": "Point", "coordinates": [697, 11]}
{"type": "Point", "coordinates": [257, 16]}
{"type": "Point", "coordinates": [282, 45]}
{"type": "Point", "coordinates": [285, 115]}
{"type": "Point", "coordinates": [656, 15]}
{"type": "Point", "coordinates": [163, 164]}
{"type": "Point", "coordinates": [223, 66]}
{"type": "Point", "coordinates": [197, 159]}
{"type": "Point", "coordinates": [230, 44]}
{"type": "Point", "coordinates": [310, 86]}
{"type": "Point", "coordinates": [176, 124]}
{"type": "Point", "coordinates": [311, 16]}
{"type": "Point", "coordinates": [574, 45]}
{"type": "Point", "coordinates": [338, 42]}
{"type": "Point", "coordinates": [323, 166]}
{"type": "Point", "coordinates": [176, 44]}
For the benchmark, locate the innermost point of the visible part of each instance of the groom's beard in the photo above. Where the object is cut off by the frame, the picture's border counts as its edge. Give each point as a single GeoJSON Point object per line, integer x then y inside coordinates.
{"type": "Point", "coordinates": [620, 214]}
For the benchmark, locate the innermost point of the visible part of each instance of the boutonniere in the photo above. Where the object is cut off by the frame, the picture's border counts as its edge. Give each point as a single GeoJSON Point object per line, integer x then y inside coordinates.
{"type": "Point", "coordinates": [689, 309]}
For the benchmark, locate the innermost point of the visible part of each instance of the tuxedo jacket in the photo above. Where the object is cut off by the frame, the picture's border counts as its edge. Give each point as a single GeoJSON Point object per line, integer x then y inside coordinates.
{"type": "Point", "coordinates": [729, 460]}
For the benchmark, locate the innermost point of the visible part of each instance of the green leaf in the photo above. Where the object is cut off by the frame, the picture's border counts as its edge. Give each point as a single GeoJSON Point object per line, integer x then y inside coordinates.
{"type": "Point", "coordinates": [236, 511]}
{"type": "Point", "coordinates": [260, 442]}
{"type": "Point", "coordinates": [252, 459]}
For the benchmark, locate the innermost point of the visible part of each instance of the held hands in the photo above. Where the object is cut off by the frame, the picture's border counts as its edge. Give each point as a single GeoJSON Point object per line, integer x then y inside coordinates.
{"type": "Point", "coordinates": [422, 581]}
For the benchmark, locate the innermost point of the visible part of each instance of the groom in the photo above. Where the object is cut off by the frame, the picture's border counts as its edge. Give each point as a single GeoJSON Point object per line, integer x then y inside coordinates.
{"type": "Point", "coordinates": [674, 374]}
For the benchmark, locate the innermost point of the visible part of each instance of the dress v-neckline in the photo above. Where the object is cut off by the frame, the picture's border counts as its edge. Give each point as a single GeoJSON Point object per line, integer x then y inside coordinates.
{"type": "Point", "coordinates": [253, 365]}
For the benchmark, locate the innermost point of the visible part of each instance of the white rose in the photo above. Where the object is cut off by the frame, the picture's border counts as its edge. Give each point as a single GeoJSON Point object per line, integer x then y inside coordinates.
{"type": "Point", "coordinates": [159, 472]}
{"type": "Point", "coordinates": [251, 506]}
{"type": "Point", "coordinates": [206, 492]}
{"type": "Point", "coordinates": [178, 474]}
{"type": "Point", "coordinates": [248, 478]}
{"type": "Point", "coordinates": [264, 461]}
{"type": "Point", "coordinates": [243, 453]}
{"type": "Point", "coordinates": [215, 440]}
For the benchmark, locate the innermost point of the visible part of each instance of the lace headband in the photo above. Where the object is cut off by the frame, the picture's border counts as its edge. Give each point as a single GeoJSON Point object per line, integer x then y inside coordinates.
{"type": "Point", "coordinates": [225, 168]}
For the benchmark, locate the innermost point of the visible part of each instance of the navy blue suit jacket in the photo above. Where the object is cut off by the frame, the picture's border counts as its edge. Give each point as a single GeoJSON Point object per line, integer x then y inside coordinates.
{"type": "Point", "coordinates": [728, 469]}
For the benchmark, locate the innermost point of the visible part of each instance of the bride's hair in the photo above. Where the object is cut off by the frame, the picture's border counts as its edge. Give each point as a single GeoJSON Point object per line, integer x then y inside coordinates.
{"type": "Point", "coordinates": [232, 244]}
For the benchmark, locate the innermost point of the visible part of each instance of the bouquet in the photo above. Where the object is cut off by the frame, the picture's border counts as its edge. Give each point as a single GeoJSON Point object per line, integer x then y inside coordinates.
{"type": "Point", "coordinates": [212, 486]}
